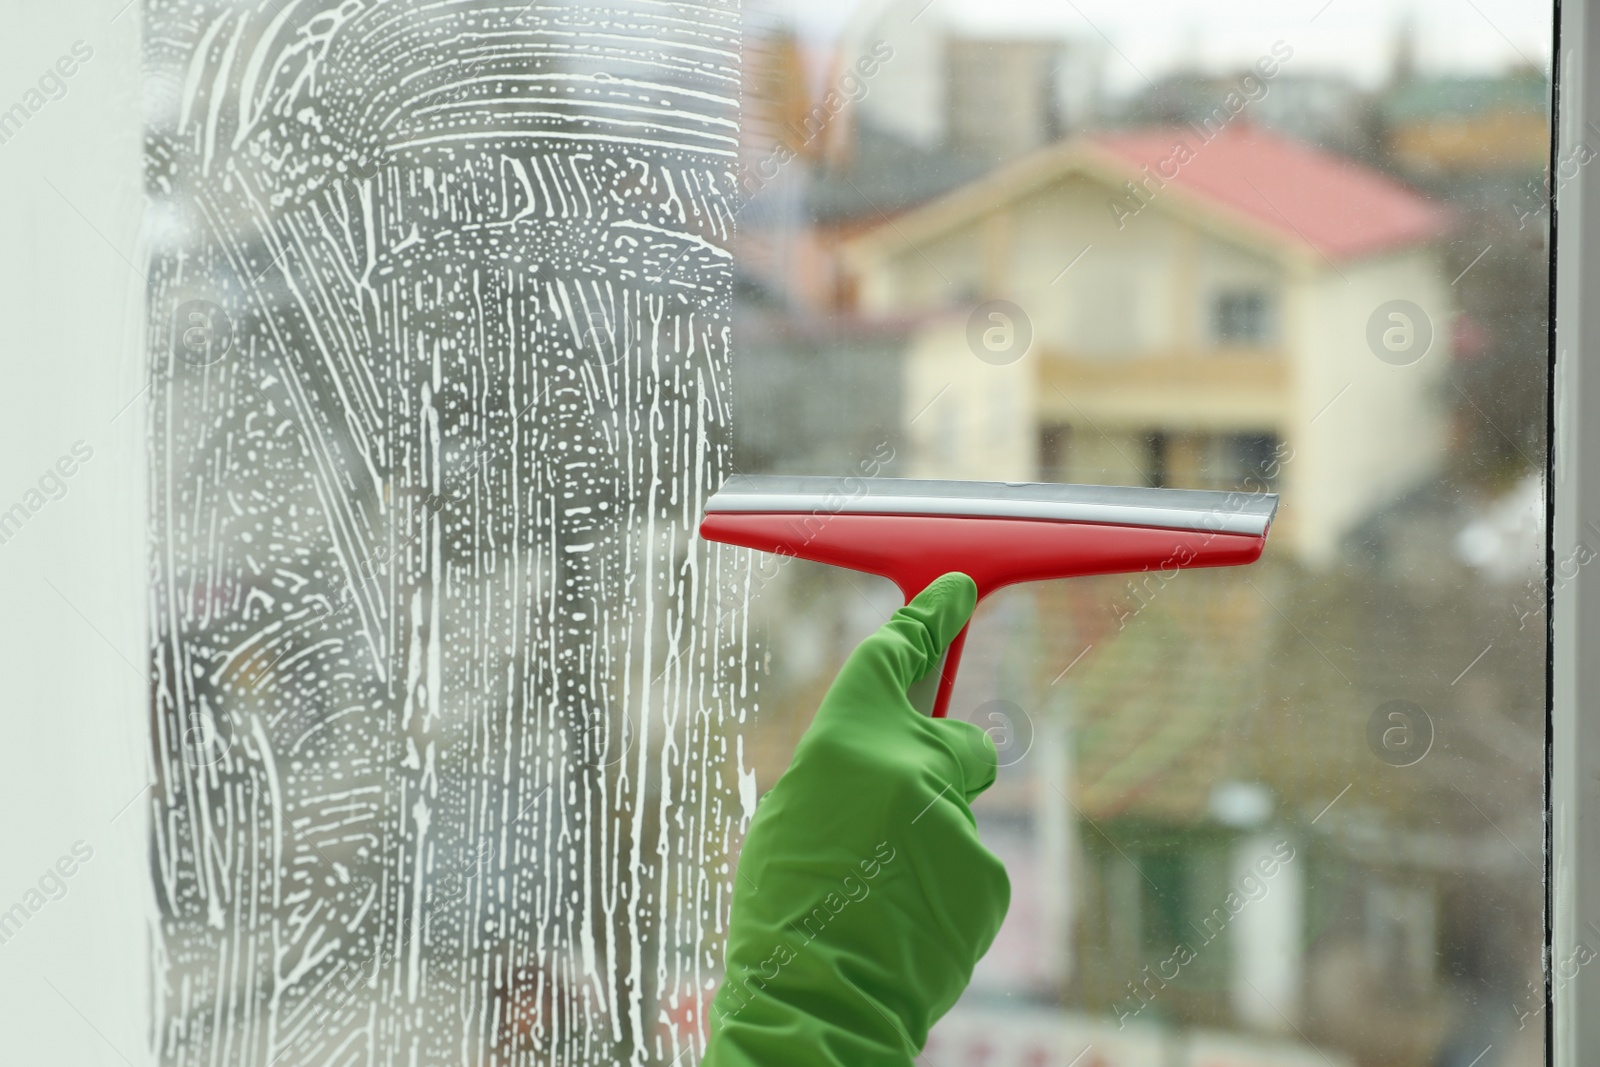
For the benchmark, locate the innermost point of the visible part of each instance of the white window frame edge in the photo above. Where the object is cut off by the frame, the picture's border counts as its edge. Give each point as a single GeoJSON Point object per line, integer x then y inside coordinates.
{"type": "Point", "coordinates": [1572, 1023]}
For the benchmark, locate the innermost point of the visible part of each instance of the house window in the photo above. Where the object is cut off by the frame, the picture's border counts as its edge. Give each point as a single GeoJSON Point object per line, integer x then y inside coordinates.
{"type": "Point", "coordinates": [1251, 461]}
{"type": "Point", "coordinates": [1054, 441]}
{"type": "Point", "coordinates": [1169, 892]}
{"type": "Point", "coordinates": [1241, 317]}
{"type": "Point", "coordinates": [1157, 452]}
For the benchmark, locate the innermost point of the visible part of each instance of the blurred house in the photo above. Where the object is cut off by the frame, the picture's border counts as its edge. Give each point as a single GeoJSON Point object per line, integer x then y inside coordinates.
{"type": "Point", "coordinates": [1448, 125]}
{"type": "Point", "coordinates": [1007, 97]}
{"type": "Point", "coordinates": [1180, 307]}
{"type": "Point", "coordinates": [910, 101]}
{"type": "Point", "coordinates": [901, 111]}
{"type": "Point", "coordinates": [782, 133]}
{"type": "Point", "coordinates": [1323, 109]}
{"type": "Point", "coordinates": [993, 97]}
{"type": "Point", "coordinates": [775, 98]}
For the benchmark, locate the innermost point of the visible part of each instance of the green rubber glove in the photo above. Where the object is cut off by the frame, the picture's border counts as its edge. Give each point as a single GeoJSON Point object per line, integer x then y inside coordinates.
{"type": "Point", "coordinates": [863, 898]}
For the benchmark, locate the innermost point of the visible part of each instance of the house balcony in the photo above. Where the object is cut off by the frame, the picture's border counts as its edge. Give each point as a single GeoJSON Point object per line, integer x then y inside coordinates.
{"type": "Point", "coordinates": [1217, 390]}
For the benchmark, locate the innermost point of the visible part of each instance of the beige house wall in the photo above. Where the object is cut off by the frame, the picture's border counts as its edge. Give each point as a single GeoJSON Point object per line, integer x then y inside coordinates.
{"type": "Point", "coordinates": [1123, 345]}
{"type": "Point", "coordinates": [966, 418]}
{"type": "Point", "coordinates": [1364, 431]}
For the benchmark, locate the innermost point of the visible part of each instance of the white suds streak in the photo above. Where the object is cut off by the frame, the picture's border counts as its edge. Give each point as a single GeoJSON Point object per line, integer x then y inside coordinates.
{"type": "Point", "coordinates": [422, 540]}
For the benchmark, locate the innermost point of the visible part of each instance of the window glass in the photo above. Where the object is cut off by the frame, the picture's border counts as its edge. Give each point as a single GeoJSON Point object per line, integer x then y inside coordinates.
{"type": "Point", "coordinates": [1241, 317]}
{"type": "Point", "coordinates": [1278, 815]}
{"type": "Point", "coordinates": [439, 730]}
{"type": "Point", "coordinates": [447, 700]}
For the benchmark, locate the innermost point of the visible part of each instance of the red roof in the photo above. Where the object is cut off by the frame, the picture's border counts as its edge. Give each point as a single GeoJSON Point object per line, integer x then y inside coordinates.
{"type": "Point", "coordinates": [1340, 208]}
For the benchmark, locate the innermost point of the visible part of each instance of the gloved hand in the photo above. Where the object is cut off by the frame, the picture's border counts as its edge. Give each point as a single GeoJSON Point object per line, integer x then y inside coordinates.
{"type": "Point", "coordinates": [863, 898]}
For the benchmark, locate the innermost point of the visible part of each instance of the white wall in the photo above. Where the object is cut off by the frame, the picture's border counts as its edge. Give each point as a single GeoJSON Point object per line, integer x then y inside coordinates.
{"type": "Point", "coordinates": [1365, 431]}
{"type": "Point", "coordinates": [74, 978]}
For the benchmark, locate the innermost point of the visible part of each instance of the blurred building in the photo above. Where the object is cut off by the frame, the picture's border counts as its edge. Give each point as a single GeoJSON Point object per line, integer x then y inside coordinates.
{"type": "Point", "coordinates": [986, 96]}
{"type": "Point", "coordinates": [1326, 110]}
{"type": "Point", "coordinates": [901, 111]}
{"type": "Point", "coordinates": [1175, 310]}
{"type": "Point", "coordinates": [1007, 97]}
{"type": "Point", "coordinates": [1186, 318]}
{"type": "Point", "coordinates": [1449, 125]}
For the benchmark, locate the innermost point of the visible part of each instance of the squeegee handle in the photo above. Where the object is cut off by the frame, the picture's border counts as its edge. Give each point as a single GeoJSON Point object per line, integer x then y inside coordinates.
{"type": "Point", "coordinates": [947, 677]}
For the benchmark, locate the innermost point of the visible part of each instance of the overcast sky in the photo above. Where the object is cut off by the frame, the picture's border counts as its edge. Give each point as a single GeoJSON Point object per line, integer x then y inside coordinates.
{"type": "Point", "coordinates": [1149, 37]}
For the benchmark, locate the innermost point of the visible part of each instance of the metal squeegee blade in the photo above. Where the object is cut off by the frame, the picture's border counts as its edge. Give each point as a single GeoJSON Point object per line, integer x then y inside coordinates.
{"type": "Point", "coordinates": [1176, 509]}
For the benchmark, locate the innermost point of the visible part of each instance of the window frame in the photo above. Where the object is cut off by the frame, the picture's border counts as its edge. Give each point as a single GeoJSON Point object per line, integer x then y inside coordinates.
{"type": "Point", "coordinates": [1572, 1018]}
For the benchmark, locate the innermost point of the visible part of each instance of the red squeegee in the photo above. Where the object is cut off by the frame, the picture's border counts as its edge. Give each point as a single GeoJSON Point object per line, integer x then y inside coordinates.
{"type": "Point", "coordinates": [1000, 533]}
